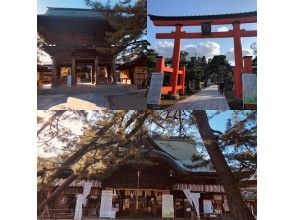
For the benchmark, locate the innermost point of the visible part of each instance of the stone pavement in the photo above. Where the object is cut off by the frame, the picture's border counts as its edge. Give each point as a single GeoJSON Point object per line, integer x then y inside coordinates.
{"type": "Point", "coordinates": [90, 97]}
{"type": "Point", "coordinates": [207, 99]}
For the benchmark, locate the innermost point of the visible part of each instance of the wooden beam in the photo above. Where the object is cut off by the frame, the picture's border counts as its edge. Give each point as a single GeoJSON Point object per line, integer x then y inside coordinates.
{"type": "Point", "coordinates": [225, 34]}
{"type": "Point", "coordinates": [220, 21]}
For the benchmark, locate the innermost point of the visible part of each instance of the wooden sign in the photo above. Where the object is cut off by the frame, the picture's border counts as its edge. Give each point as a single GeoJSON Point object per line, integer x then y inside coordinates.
{"type": "Point", "coordinates": [154, 95]}
{"type": "Point", "coordinates": [106, 204]}
{"type": "Point", "coordinates": [249, 85]}
{"type": "Point", "coordinates": [167, 206]}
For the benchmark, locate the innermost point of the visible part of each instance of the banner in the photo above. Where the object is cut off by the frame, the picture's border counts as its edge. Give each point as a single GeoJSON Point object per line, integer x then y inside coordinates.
{"type": "Point", "coordinates": [249, 85]}
{"type": "Point", "coordinates": [106, 204]}
{"type": "Point", "coordinates": [79, 207]}
{"type": "Point", "coordinates": [167, 206]}
{"type": "Point", "coordinates": [193, 198]}
{"type": "Point", "coordinates": [154, 93]}
{"type": "Point", "coordinates": [81, 200]}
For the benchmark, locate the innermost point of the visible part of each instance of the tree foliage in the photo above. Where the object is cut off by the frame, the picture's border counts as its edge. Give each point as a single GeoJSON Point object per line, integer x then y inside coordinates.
{"type": "Point", "coordinates": [219, 70]}
{"type": "Point", "coordinates": [107, 140]}
{"type": "Point", "coordinates": [129, 22]}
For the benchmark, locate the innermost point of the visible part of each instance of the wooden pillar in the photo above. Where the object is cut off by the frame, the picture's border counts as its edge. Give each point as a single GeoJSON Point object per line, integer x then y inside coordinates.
{"type": "Point", "coordinates": [176, 60]}
{"type": "Point", "coordinates": [92, 75]}
{"type": "Point", "coordinates": [96, 69]}
{"type": "Point", "coordinates": [54, 72]}
{"type": "Point", "coordinates": [160, 64]}
{"type": "Point", "coordinates": [238, 60]}
{"type": "Point", "coordinates": [113, 71]}
{"type": "Point", "coordinates": [182, 81]}
{"type": "Point", "coordinates": [73, 70]}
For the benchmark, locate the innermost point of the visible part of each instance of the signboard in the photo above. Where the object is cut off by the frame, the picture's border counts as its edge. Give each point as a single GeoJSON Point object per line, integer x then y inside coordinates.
{"type": "Point", "coordinates": [154, 94]}
{"type": "Point", "coordinates": [226, 205]}
{"type": "Point", "coordinates": [69, 80]}
{"type": "Point", "coordinates": [249, 85]}
{"type": "Point", "coordinates": [207, 206]}
{"type": "Point", "coordinates": [106, 204]}
{"type": "Point", "coordinates": [167, 206]}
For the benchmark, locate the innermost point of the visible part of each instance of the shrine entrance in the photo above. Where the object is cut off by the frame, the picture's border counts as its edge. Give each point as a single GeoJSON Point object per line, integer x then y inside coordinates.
{"type": "Point", "coordinates": [84, 74]}
{"type": "Point", "coordinates": [177, 82]}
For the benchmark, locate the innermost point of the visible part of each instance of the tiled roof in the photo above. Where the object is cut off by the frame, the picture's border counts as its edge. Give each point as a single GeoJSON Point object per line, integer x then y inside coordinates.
{"type": "Point", "coordinates": [71, 12]}
{"type": "Point", "coordinates": [202, 17]}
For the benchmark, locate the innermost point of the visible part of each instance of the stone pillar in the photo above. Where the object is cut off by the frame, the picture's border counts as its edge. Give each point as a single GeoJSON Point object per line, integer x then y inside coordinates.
{"type": "Point", "coordinates": [176, 60]}
{"type": "Point", "coordinates": [96, 69]}
{"type": "Point", "coordinates": [54, 72]}
{"type": "Point", "coordinates": [73, 70]}
{"type": "Point", "coordinates": [238, 60]}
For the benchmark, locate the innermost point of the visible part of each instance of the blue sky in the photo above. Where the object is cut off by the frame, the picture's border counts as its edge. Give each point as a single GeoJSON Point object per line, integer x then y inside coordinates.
{"type": "Point", "coordinates": [208, 47]}
{"type": "Point", "coordinates": [43, 4]}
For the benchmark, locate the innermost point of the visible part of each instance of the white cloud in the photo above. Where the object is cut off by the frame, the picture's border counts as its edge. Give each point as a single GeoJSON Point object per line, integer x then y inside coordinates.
{"type": "Point", "coordinates": [231, 56]}
{"type": "Point", "coordinates": [207, 49]}
{"type": "Point", "coordinates": [223, 29]}
{"type": "Point", "coordinates": [164, 48]}
{"type": "Point", "coordinates": [253, 47]}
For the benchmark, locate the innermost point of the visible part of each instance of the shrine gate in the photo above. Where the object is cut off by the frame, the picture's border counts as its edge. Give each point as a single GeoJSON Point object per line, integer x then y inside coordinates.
{"type": "Point", "coordinates": [206, 22]}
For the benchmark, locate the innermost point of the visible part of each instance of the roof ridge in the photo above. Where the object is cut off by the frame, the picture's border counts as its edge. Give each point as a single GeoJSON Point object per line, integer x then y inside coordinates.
{"type": "Point", "coordinates": [76, 9]}
{"type": "Point", "coordinates": [229, 15]}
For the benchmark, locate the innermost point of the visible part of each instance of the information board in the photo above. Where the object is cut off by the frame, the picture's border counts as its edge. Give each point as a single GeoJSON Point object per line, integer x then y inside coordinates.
{"type": "Point", "coordinates": [106, 204]}
{"type": "Point", "coordinates": [167, 206]}
{"type": "Point", "coordinates": [154, 94]}
{"type": "Point", "coordinates": [249, 85]}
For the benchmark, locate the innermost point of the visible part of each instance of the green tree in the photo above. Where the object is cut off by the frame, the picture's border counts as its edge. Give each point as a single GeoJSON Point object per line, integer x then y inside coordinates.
{"type": "Point", "coordinates": [195, 71]}
{"type": "Point", "coordinates": [129, 22]}
{"type": "Point", "coordinates": [151, 60]}
{"type": "Point", "coordinates": [114, 137]}
{"type": "Point", "coordinates": [219, 69]}
{"type": "Point", "coordinates": [237, 206]}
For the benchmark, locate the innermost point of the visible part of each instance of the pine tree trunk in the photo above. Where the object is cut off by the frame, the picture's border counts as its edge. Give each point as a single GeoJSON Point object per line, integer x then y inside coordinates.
{"type": "Point", "coordinates": [57, 192]}
{"type": "Point", "coordinates": [77, 155]}
{"type": "Point", "coordinates": [237, 206]}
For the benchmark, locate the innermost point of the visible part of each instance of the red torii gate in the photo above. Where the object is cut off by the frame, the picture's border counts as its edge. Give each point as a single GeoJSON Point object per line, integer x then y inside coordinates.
{"type": "Point", "coordinates": [205, 22]}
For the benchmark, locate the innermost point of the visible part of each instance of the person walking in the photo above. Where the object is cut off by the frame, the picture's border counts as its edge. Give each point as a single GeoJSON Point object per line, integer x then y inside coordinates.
{"type": "Point", "coordinates": [221, 87]}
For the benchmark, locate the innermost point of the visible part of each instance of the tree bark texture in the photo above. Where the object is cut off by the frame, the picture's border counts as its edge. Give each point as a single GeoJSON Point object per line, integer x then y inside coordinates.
{"type": "Point", "coordinates": [237, 206]}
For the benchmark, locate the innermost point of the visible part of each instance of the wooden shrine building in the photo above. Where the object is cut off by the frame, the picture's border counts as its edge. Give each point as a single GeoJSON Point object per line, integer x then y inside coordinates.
{"type": "Point", "coordinates": [138, 189]}
{"type": "Point", "coordinates": [76, 39]}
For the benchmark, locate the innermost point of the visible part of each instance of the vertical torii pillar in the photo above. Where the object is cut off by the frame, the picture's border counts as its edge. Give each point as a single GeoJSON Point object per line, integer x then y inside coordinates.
{"type": "Point", "coordinates": [73, 70]}
{"type": "Point", "coordinates": [176, 60]}
{"type": "Point", "coordinates": [54, 72]}
{"type": "Point", "coordinates": [238, 60]}
{"type": "Point", "coordinates": [96, 70]}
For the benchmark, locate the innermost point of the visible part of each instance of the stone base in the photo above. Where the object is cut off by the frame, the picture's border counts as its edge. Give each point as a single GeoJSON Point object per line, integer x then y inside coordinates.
{"type": "Point", "coordinates": [174, 97]}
